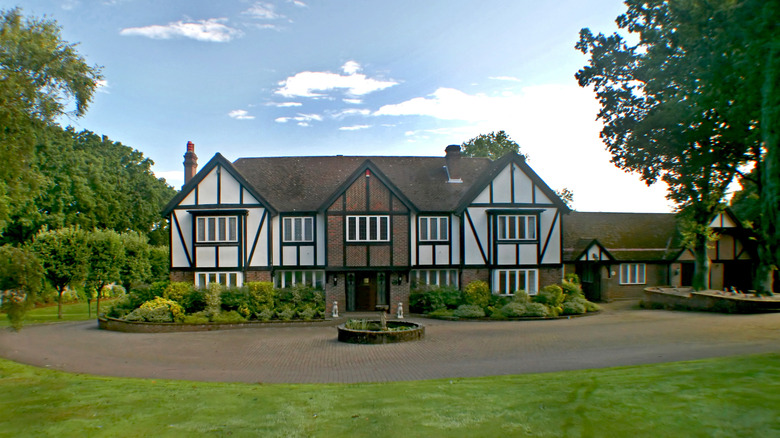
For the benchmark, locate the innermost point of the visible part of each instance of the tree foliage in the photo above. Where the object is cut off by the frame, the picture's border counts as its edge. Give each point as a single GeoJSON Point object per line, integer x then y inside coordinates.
{"type": "Point", "coordinates": [105, 261]}
{"type": "Point", "coordinates": [41, 74]}
{"type": "Point", "coordinates": [493, 146]}
{"type": "Point", "coordinates": [64, 254]}
{"type": "Point", "coordinates": [90, 181]}
{"type": "Point", "coordinates": [680, 104]}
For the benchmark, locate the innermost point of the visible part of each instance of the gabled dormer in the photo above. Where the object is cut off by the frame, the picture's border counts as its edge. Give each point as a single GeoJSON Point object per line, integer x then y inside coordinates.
{"type": "Point", "coordinates": [367, 221]}
{"type": "Point", "coordinates": [218, 224]}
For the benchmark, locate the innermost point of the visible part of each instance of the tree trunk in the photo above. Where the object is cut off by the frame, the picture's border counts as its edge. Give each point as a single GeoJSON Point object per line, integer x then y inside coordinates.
{"type": "Point", "coordinates": [97, 307]}
{"type": "Point", "coordinates": [59, 302]}
{"type": "Point", "coordinates": [701, 269]}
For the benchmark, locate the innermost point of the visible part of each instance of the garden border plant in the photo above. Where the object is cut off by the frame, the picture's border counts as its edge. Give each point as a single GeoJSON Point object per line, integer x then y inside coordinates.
{"type": "Point", "coordinates": [476, 302]}
{"type": "Point", "coordinates": [177, 303]}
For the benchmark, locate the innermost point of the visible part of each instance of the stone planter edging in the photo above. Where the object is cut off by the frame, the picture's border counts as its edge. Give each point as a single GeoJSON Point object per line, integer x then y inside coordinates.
{"type": "Point", "coordinates": [379, 337]}
{"type": "Point", "coordinates": [672, 298]}
{"type": "Point", "coordinates": [520, 318]}
{"type": "Point", "coordinates": [120, 325]}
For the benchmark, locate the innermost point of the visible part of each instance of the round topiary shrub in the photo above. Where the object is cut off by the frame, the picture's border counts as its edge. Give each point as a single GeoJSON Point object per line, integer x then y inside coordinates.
{"type": "Point", "coordinates": [157, 310]}
{"type": "Point", "coordinates": [513, 310]}
{"type": "Point", "coordinates": [573, 308]}
{"type": "Point", "coordinates": [537, 310]}
{"type": "Point", "coordinates": [469, 311]}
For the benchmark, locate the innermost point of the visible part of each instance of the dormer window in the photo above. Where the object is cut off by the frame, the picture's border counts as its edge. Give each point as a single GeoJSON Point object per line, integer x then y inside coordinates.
{"type": "Point", "coordinates": [298, 229]}
{"type": "Point", "coordinates": [516, 227]}
{"type": "Point", "coordinates": [368, 228]}
{"type": "Point", "coordinates": [433, 229]}
{"type": "Point", "coordinates": [217, 229]}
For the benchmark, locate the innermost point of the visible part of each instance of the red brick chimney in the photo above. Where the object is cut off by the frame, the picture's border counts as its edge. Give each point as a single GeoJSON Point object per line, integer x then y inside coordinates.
{"type": "Point", "coordinates": [190, 162]}
{"type": "Point", "coordinates": [452, 158]}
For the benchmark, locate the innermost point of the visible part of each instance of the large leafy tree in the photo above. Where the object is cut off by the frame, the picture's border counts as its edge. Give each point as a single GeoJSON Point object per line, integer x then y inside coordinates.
{"type": "Point", "coordinates": [91, 181]}
{"type": "Point", "coordinates": [494, 146]}
{"type": "Point", "coordinates": [64, 255]}
{"type": "Point", "coordinates": [40, 74]}
{"type": "Point", "coordinates": [671, 107]}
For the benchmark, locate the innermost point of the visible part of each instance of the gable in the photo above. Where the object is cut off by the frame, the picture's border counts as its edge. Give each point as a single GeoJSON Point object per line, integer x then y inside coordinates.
{"type": "Point", "coordinates": [218, 183]}
{"type": "Point", "coordinates": [367, 189]}
{"type": "Point", "coordinates": [724, 220]}
{"type": "Point", "coordinates": [511, 181]}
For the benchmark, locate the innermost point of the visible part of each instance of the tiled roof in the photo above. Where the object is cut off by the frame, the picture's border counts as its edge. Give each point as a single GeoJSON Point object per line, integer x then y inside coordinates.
{"type": "Point", "coordinates": [304, 183]}
{"type": "Point", "coordinates": [627, 236]}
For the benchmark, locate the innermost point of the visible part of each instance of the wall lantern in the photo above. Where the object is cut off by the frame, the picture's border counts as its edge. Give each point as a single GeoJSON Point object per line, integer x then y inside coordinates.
{"type": "Point", "coordinates": [335, 280]}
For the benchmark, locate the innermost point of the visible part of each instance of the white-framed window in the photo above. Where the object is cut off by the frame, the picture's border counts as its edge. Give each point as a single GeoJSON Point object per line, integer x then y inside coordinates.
{"type": "Point", "coordinates": [434, 277]}
{"type": "Point", "coordinates": [368, 228]}
{"type": "Point", "coordinates": [632, 273]}
{"type": "Point", "coordinates": [434, 228]}
{"type": "Point", "coordinates": [508, 281]}
{"type": "Point", "coordinates": [516, 227]}
{"type": "Point", "coordinates": [227, 279]}
{"type": "Point", "coordinates": [314, 279]}
{"type": "Point", "coordinates": [298, 229]}
{"type": "Point", "coordinates": [217, 229]}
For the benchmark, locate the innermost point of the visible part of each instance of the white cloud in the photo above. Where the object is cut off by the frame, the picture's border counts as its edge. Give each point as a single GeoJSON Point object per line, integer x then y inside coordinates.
{"type": "Point", "coordinates": [351, 67]}
{"type": "Point", "coordinates": [354, 127]}
{"type": "Point", "coordinates": [313, 84]}
{"type": "Point", "coordinates": [351, 112]}
{"type": "Point", "coordinates": [302, 119]}
{"type": "Point", "coordinates": [102, 86]}
{"type": "Point", "coordinates": [298, 3]}
{"type": "Point", "coordinates": [263, 11]}
{"type": "Point", "coordinates": [505, 78]}
{"type": "Point", "coordinates": [353, 101]}
{"type": "Point", "coordinates": [284, 104]}
{"type": "Point", "coordinates": [554, 124]}
{"type": "Point", "coordinates": [212, 30]}
{"type": "Point", "coordinates": [240, 115]}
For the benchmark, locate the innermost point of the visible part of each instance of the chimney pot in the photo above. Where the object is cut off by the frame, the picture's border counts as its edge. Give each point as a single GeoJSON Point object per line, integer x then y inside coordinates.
{"type": "Point", "coordinates": [190, 162]}
{"type": "Point", "coordinates": [452, 151]}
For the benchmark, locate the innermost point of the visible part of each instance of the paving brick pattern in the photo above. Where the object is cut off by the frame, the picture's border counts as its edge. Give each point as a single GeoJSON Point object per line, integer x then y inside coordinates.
{"type": "Point", "coordinates": [620, 335]}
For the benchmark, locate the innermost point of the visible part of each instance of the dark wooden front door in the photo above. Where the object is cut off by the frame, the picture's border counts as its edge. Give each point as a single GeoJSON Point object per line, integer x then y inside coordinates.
{"type": "Point", "coordinates": [365, 291]}
{"type": "Point", "coordinates": [590, 277]}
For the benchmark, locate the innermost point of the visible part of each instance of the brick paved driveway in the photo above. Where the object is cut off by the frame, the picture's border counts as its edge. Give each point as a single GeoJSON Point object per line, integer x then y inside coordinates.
{"type": "Point", "coordinates": [619, 336]}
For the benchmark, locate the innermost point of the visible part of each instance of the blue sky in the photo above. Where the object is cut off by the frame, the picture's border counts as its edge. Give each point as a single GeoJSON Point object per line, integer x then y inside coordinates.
{"type": "Point", "coordinates": [362, 77]}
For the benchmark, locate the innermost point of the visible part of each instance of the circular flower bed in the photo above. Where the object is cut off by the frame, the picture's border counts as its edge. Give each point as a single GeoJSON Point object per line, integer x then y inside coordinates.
{"type": "Point", "coordinates": [371, 332]}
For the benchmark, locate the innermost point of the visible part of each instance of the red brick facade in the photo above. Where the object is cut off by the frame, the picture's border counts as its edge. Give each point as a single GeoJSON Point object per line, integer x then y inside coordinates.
{"type": "Point", "coordinates": [186, 276]}
{"type": "Point", "coordinates": [257, 276]}
{"type": "Point", "coordinates": [367, 195]}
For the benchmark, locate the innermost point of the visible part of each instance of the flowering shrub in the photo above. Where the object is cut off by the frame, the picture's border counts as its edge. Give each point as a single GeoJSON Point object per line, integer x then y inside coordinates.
{"type": "Point", "coordinates": [307, 313]}
{"type": "Point", "coordinates": [15, 306]}
{"type": "Point", "coordinates": [469, 311]}
{"type": "Point", "coordinates": [157, 310]}
{"type": "Point", "coordinates": [573, 308]}
{"type": "Point", "coordinates": [285, 313]}
{"type": "Point", "coordinates": [537, 310]}
{"type": "Point", "coordinates": [177, 290]}
{"type": "Point", "coordinates": [477, 293]}
{"type": "Point", "coordinates": [213, 298]}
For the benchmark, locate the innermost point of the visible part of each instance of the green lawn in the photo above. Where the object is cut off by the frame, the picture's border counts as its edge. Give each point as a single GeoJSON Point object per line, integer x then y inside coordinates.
{"type": "Point", "coordinates": [729, 397]}
{"type": "Point", "coordinates": [70, 312]}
